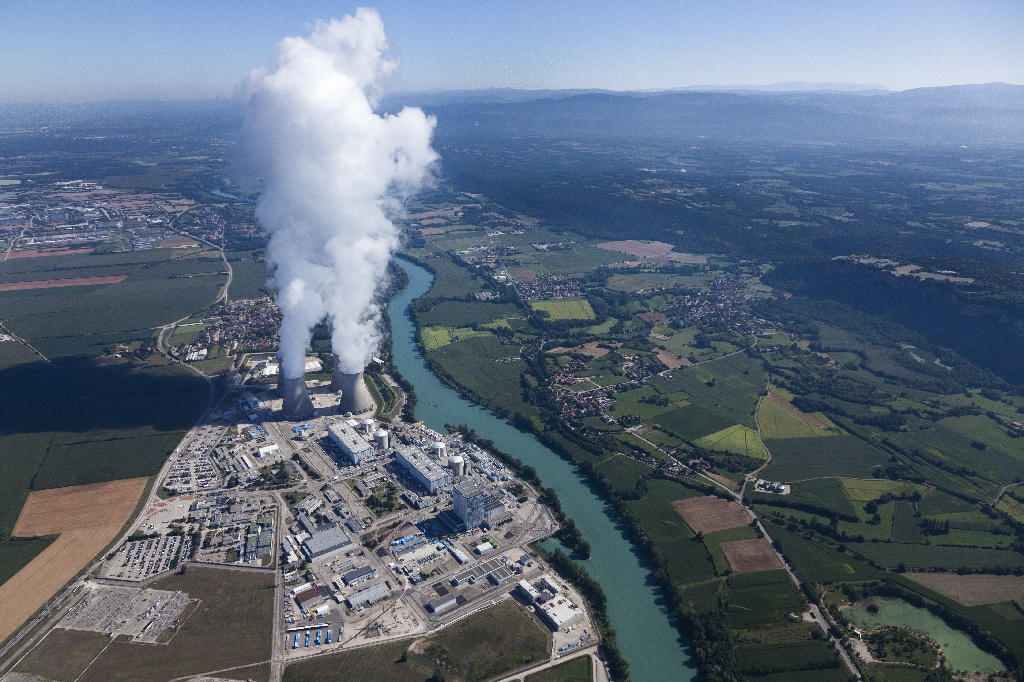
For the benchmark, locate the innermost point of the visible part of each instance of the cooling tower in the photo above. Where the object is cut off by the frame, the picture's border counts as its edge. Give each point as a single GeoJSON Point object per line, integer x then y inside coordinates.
{"type": "Point", "coordinates": [354, 396]}
{"type": "Point", "coordinates": [296, 398]}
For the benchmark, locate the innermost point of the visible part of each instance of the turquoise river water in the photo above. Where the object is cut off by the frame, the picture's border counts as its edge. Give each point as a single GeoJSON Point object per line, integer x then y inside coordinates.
{"type": "Point", "coordinates": [646, 637]}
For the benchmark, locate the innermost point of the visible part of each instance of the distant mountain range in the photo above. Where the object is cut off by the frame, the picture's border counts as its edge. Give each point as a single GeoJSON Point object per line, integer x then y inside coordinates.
{"type": "Point", "coordinates": [992, 113]}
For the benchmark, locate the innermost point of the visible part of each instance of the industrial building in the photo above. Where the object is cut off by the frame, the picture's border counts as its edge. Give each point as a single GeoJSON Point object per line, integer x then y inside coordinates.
{"type": "Point", "coordinates": [441, 603]}
{"type": "Point", "coordinates": [560, 612]}
{"type": "Point", "coordinates": [350, 442]}
{"type": "Point", "coordinates": [326, 541]}
{"type": "Point", "coordinates": [358, 575]}
{"type": "Point", "coordinates": [485, 570]}
{"type": "Point", "coordinates": [370, 595]}
{"type": "Point", "coordinates": [470, 502]}
{"type": "Point", "coordinates": [424, 470]}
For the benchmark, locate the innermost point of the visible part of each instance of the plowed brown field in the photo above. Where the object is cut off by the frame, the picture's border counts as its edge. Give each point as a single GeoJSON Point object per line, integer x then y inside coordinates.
{"type": "Point", "coordinates": [711, 514]}
{"type": "Point", "coordinates": [56, 283]}
{"type": "Point", "coordinates": [87, 518]}
{"type": "Point", "coordinates": [750, 555]}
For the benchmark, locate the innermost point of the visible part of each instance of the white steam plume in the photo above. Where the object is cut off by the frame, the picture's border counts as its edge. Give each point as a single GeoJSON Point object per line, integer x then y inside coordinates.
{"type": "Point", "coordinates": [334, 174]}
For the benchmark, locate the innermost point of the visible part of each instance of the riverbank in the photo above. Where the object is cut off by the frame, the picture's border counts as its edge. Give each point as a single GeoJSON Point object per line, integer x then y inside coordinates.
{"type": "Point", "coordinates": [647, 634]}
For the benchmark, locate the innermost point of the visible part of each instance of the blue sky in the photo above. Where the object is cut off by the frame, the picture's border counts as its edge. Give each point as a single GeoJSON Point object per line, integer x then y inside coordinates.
{"type": "Point", "coordinates": [183, 49]}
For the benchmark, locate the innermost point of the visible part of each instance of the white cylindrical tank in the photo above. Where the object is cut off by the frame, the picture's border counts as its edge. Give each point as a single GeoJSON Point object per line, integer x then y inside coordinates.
{"type": "Point", "coordinates": [381, 438]}
{"type": "Point", "coordinates": [368, 425]}
{"type": "Point", "coordinates": [439, 449]}
{"type": "Point", "coordinates": [457, 464]}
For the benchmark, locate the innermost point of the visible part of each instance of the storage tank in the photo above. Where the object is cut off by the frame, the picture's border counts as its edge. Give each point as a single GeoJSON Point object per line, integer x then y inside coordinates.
{"type": "Point", "coordinates": [438, 449]}
{"type": "Point", "coordinates": [457, 463]}
{"type": "Point", "coordinates": [368, 425]}
{"type": "Point", "coordinates": [381, 438]}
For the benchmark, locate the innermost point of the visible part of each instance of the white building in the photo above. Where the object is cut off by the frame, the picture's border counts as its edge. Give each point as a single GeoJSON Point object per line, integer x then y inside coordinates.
{"type": "Point", "coordinates": [370, 595]}
{"type": "Point", "coordinates": [428, 473]}
{"type": "Point", "coordinates": [351, 443]}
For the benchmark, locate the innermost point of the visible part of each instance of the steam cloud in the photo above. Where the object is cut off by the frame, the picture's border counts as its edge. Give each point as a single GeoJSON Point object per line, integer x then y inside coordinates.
{"type": "Point", "coordinates": [334, 175]}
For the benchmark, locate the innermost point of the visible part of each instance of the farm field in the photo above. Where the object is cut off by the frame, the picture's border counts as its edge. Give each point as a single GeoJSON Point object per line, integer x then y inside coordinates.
{"type": "Point", "coordinates": [779, 419]}
{"type": "Point", "coordinates": [729, 386]}
{"type": "Point", "coordinates": [917, 556]}
{"type": "Point", "coordinates": [481, 646]}
{"type": "Point", "coordinates": [687, 560]}
{"type": "Point", "coordinates": [579, 669]}
{"type": "Point", "coordinates": [86, 518]}
{"type": "Point", "coordinates": [961, 653]}
{"type": "Point", "coordinates": [230, 629]}
{"type": "Point", "coordinates": [711, 514]}
{"type": "Point", "coordinates": [737, 439]}
{"type": "Point", "coordinates": [63, 282]}
{"type": "Point", "coordinates": [565, 309]}
{"type": "Point", "coordinates": [750, 555]}
{"type": "Point", "coordinates": [975, 589]}
{"type": "Point", "coordinates": [795, 459]}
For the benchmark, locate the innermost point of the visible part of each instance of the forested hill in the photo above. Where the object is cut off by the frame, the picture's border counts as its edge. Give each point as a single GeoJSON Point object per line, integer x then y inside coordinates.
{"type": "Point", "coordinates": [967, 114]}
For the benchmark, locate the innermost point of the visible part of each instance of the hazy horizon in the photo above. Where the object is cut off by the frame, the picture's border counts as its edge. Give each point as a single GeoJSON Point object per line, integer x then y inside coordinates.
{"type": "Point", "coordinates": [111, 50]}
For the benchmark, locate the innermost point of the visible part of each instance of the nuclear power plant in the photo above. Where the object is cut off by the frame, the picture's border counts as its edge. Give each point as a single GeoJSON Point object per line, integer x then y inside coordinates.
{"type": "Point", "coordinates": [354, 396]}
{"type": "Point", "coordinates": [297, 404]}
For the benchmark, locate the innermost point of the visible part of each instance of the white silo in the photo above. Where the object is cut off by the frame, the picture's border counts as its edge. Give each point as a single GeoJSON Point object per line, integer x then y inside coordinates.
{"type": "Point", "coordinates": [457, 463]}
{"type": "Point", "coordinates": [368, 425]}
{"type": "Point", "coordinates": [438, 449]}
{"type": "Point", "coordinates": [381, 438]}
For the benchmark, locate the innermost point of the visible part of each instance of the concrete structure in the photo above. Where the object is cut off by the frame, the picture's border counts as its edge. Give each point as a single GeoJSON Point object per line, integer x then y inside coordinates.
{"type": "Point", "coordinates": [354, 395]}
{"type": "Point", "coordinates": [527, 592]}
{"type": "Point", "coordinates": [438, 450]}
{"type": "Point", "coordinates": [370, 595]}
{"type": "Point", "coordinates": [382, 438]}
{"type": "Point", "coordinates": [297, 404]}
{"type": "Point", "coordinates": [423, 470]}
{"type": "Point", "coordinates": [328, 540]}
{"type": "Point", "coordinates": [559, 613]}
{"type": "Point", "coordinates": [457, 463]}
{"type": "Point", "coordinates": [470, 502]}
{"type": "Point", "coordinates": [351, 443]}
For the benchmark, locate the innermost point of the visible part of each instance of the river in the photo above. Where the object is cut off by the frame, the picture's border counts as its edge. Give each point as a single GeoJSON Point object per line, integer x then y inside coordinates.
{"type": "Point", "coordinates": [646, 637]}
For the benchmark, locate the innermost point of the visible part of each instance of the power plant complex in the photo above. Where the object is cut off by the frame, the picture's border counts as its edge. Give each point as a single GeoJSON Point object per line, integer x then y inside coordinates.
{"type": "Point", "coordinates": [296, 403]}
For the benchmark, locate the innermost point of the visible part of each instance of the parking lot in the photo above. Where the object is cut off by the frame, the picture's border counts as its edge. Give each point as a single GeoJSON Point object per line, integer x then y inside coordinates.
{"type": "Point", "coordinates": [139, 559]}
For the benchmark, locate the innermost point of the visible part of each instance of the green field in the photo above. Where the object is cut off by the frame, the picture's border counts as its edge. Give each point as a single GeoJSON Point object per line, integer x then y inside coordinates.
{"type": "Point", "coordinates": [688, 560]}
{"type": "Point", "coordinates": [761, 598]}
{"type": "Point", "coordinates": [866, 489]}
{"type": "Point", "coordinates": [462, 314]}
{"type": "Point", "coordinates": [729, 386]}
{"type": "Point", "coordinates": [487, 370]}
{"type": "Point", "coordinates": [778, 422]}
{"type": "Point", "coordinates": [915, 556]}
{"type": "Point", "coordinates": [795, 459]}
{"type": "Point", "coordinates": [785, 657]}
{"type": "Point", "coordinates": [692, 422]}
{"type": "Point", "coordinates": [482, 646]}
{"type": "Point", "coordinates": [565, 309]}
{"type": "Point", "coordinates": [436, 337]}
{"type": "Point", "coordinates": [575, 670]}
{"type": "Point", "coordinates": [63, 655]}
{"type": "Point", "coordinates": [814, 561]}
{"type": "Point", "coordinates": [737, 439]}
